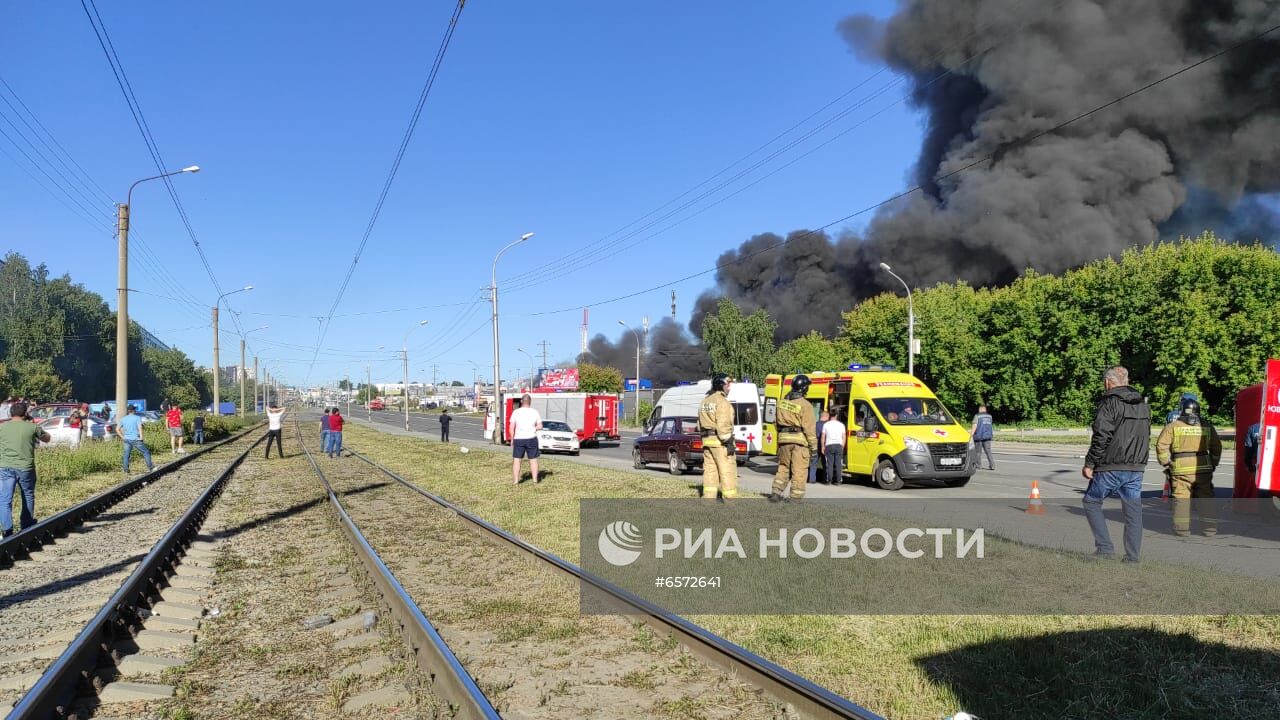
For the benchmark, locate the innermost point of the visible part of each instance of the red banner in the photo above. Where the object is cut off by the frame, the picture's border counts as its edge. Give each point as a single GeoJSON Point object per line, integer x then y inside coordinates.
{"type": "Point", "coordinates": [566, 379]}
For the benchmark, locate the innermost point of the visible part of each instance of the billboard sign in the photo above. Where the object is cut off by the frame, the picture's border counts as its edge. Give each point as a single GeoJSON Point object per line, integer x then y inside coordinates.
{"type": "Point", "coordinates": [560, 379]}
{"type": "Point", "coordinates": [629, 384]}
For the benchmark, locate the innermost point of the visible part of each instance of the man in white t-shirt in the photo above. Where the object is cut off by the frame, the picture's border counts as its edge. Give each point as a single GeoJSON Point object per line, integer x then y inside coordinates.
{"type": "Point", "coordinates": [525, 424]}
{"type": "Point", "coordinates": [832, 445]}
{"type": "Point", "coordinates": [275, 416]}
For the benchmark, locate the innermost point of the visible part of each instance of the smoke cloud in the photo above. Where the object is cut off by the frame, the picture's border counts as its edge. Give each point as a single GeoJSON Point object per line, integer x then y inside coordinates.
{"type": "Point", "coordinates": [671, 355]}
{"type": "Point", "coordinates": [1197, 152]}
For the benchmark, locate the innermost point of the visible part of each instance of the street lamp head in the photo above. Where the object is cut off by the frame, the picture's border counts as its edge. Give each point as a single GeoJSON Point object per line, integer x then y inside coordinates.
{"type": "Point", "coordinates": [424, 322]}
{"type": "Point", "coordinates": [525, 236]}
{"type": "Point", "coordinates": [191, 169]}
{"type": "Point", "coordinates": [622, 323]}
{"type": "Point", "coordinates": [885, 267]}
{"type": "Point", "coordinates": [248, 287]}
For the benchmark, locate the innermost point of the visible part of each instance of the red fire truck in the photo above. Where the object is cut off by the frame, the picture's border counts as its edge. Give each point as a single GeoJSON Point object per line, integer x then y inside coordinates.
{"type": "Point", "coordinates": [593, 417]}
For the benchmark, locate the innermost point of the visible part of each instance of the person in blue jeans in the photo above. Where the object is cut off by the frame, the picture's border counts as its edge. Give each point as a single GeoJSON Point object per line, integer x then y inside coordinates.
{"type": "Point", "coordinates": [18, 439]}
{"type": "Point", "coordinates": [197, 429]}
{"type": "Point", "coordinates": [130, 430]}
{"type": "Point", "coordinates": [983, 431]}
{"type": "Point", "coordinates": [324, 431]}
{"type": "Point", "coordinates": [1117, 457]}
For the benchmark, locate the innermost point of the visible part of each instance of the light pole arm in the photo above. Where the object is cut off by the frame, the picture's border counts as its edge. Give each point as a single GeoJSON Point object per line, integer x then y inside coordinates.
{"type": "Point", "coordinates": [128, 200]}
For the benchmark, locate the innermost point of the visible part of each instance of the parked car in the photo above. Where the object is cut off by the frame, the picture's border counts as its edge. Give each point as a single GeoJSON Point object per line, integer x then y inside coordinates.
{"type": "Point", "coordinates": [556, 436]}
{"type": "Point", "coordinates": [51, 410]}
{"type": "Point", "coordinates": [62, 433]}
{"type": "Point", "coordinates": [150, 416]}
{"type": "Point", "coordinates": [675, 441]}
{"type": "Point", "coordinates": [377, 405]}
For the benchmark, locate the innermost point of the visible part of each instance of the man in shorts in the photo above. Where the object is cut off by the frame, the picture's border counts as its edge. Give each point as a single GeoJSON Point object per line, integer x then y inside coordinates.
{"type": "Point", "coordinates": [173, 419]}
{"type": "Point", "coordinates": [525, 424]}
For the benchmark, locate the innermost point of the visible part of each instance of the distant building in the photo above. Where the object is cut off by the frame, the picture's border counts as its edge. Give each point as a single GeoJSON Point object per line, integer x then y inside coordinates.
{"type": "Point", "coordinates": [151, 341]}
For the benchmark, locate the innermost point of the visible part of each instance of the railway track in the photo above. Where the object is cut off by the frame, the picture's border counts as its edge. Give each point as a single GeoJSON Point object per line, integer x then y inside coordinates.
{"type": "Point", "coordinates": [504, 633]}
{"type": "Point", "coordinates": [110, 583]}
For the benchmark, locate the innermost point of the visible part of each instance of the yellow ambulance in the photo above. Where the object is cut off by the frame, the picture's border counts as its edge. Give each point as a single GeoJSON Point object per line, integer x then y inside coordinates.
{"type": "Point", "coordinates": [898, 429]}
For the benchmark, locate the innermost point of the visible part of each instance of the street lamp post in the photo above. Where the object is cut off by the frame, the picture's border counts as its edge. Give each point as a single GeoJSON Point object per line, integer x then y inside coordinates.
{"type": "Point", "coordinates": [217, 369]}
{"type": "Point", "coordinates": [500, 427]}
{"type": "Point", "coordinates": [406, 371]}
{"type": "Point", "coordinates": [243, 369]}
{"type": "Point", "coordinates": [911, 321]}
{"type": "Point", "coordinates": [633, 332]}
{"type": "Point", "coordinates": [526, 354]}
{"type": "Point", "coordinates": [122, 290]}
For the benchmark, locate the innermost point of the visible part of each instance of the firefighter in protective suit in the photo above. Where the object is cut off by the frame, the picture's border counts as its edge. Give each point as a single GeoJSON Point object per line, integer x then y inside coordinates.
{"type": "Point", "coordinates": [1189, 449]}
{"type": "Point", "coordinates": [797, 440]}
{"type": "Point", "coordinates": [715, 424]}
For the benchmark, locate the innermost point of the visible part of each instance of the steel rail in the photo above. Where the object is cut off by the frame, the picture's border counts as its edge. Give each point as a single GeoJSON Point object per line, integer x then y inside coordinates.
{"type": "Point", "coordinates": [449, 678]}
{"type": "Point", "coordinates": [810, 699]}
{"type": "Point", "coordinates": [53, 527]}
{"type": "Point", "coordinates": [54, 694]}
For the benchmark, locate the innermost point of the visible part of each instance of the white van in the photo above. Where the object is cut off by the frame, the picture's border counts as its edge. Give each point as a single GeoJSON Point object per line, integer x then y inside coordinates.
{"type": "Point", "coordinates": [684, 401]}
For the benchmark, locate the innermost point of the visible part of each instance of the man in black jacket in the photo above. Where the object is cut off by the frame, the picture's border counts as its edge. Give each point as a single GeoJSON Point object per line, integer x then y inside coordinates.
{"type": "Point", "coordinates": [1116, 460]}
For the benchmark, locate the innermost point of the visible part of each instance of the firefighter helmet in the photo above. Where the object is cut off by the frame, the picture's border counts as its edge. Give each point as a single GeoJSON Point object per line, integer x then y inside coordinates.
{"type": "Point", "coordinates": [719, 381]}
{"type": "Point", "coordinates": [800, 384]}
{"type": "Point", "coordinates": [1190, 410]}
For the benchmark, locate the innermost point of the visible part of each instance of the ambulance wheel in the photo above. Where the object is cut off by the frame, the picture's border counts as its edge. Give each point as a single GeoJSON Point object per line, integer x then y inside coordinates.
{"type": "Point", "coordinates": [741, 460]}
{"type": "Point", "coordinates": [636, 461]}
{"type": "Point", "coordinates": [957, 482]}
{"type": "Point", "coordinates": [886, 476]}
{"type": "Point", "coordinates": [674, 465]}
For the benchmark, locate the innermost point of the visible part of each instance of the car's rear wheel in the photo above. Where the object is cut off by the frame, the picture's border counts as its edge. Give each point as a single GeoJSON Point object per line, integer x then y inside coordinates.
{"type": "Point", "coordinates": [886, 476]}
{"type": "Point", "coordinates": [674, 464]}
{"type": "Point", "coordinates": [636, 461]}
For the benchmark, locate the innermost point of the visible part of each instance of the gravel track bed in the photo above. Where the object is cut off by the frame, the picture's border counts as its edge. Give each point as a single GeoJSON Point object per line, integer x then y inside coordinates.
{"type": "Point", "coordinates": [48, 599]}
{"type": "Point", "coordinates": [515, 624]}
{"type": "Point", "coordinates": [282, 560]}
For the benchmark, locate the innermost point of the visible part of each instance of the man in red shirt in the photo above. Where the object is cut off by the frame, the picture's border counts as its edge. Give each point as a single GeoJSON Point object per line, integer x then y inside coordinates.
{"type": "Point", "coordinates": [173, 418]}
{"type": "Point", "coordinates": [335, 434]}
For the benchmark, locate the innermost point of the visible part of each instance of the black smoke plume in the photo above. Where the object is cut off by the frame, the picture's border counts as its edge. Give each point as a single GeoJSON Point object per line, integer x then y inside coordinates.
{"type": "Point", "coordinates": [670, 356]}
{"type": "Point", "coordinates": [1199, 151]}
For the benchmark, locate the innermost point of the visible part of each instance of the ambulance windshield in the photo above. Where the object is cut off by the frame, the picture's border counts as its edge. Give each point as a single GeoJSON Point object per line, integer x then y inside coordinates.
{"type": "Point", "coordinates": [913, 411]}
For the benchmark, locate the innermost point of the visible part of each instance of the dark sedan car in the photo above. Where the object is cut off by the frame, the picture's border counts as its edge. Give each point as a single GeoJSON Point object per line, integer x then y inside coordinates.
{"type": "Point", "coordinates": [676, 442]}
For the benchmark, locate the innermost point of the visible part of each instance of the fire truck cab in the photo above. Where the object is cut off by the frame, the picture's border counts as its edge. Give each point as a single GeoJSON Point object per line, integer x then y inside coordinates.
{"type": "Point", "coordinates": [898, 430]}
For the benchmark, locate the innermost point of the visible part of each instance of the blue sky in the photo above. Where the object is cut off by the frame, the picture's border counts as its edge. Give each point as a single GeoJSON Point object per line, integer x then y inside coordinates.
{"type": "Point", "coordinates": [568, 119]}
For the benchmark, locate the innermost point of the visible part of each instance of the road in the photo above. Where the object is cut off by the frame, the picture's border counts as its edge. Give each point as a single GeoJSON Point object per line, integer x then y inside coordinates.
{"type": "Point", "coordinates": [1247, 545]}
{"type": "Point", "coordinates": [1055, 467]}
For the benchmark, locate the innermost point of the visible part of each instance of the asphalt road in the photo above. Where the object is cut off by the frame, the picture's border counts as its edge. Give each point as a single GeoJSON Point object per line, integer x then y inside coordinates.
{"type": "Point", "coordinates": [1055, 467]}
{"type": "Point", "coordinates": [992, 499]}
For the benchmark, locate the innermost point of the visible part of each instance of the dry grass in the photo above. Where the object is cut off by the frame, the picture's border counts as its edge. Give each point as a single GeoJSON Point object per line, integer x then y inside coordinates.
{"type": "Point", "coordinates": [1024, 666]}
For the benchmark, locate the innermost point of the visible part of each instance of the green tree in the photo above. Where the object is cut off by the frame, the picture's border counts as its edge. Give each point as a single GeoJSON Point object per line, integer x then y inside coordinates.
{"type": "Point", "coordinates": [179, 380]}
{"type": "Point", "coordinates": [456, 383]}
{"type": "Point", "coordinates": [740, 345]}
{"type": "Point", "coordinates": [36, 380]}
{"type": "Point", "coordinates": [599, 379]}
{"type": "Point", "coordinates": [808, 353]}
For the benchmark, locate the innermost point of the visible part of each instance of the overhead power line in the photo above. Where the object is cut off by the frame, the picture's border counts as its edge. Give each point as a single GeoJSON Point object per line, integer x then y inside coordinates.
{"type": "Point", "coordinates": [391, 175]}
{"type": "Point", "coordinates": [135, 109]}
{"type": "Point", "coordinates": [1004, 149]}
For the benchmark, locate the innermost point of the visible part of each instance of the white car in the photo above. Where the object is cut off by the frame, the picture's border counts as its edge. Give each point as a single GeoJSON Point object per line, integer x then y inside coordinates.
{"type": "Point", "coordinates": [61, 432]}
{"type": "Point", "coordinates": [556, 436]}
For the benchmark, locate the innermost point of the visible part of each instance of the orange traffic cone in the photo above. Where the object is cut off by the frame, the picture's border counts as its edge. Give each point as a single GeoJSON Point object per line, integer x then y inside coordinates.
{"type": "Point", "coordinates": [1034, 506]}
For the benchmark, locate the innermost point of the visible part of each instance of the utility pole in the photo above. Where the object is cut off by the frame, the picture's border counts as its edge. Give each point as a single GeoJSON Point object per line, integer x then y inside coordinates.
{"type": "Point", "coordinates": [242, 374]}
{"type": "Point", "coordinates": [122, 310]}
{"type": "Point", "coordinates": [217, 369]}
{"type": "Point", "coordinates": [255, 383]}
{"type": "Point", "coordinates": [348, 392]}
{"type": "Point", "coordinates": [673, 304]}
{"type": "Point", "coordinates": [368, 391]}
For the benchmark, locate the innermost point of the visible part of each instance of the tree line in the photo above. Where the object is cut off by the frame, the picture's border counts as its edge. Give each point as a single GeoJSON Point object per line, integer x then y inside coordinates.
{"type": "Point", "coordinates": [58, 342]}
{"type": "Point", "coordinates": [1199, 315]}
